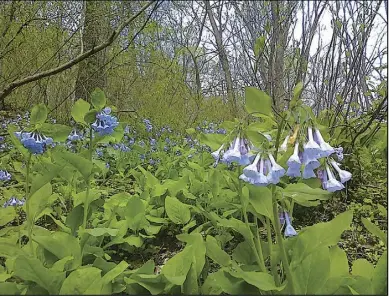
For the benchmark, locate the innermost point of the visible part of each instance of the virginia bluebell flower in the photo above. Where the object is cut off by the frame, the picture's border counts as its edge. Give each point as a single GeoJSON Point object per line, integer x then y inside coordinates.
{"type": "Point", "coordinates": [322, 175]}
{"type": "Point", "coordinates": [216, 154]}
{"type": "Point", "coordinates": [14, 202]}
{"type": "Point", "coordinates": [5, 176]}
{"type": "Point", "coordinates": [34, 142]}
{"type": "Point", "coordinates": [105, 123]}
{"type": "Point", "coordinates": [148, 125]}
{"type": "Point", "coordinates": [131, 141]}
{"type": "Point", "coordinates": [166, 148]}
{"type": "Point", "coordinates": [289, 230]}
{"type": "Point", "coordinates": [311, 148]}
{"type": "Point", "coordinates": [151, 161]}
{"type": "Point", "coordinates": [326, 149]}
{"type": "Point", "coordinates": [153, 142]}
{"type": "Point", "coordinates": [332, 184]}
{"type": "Point", "coordinates": [107, 165]}
{"type": "Point", "coordinates": [141, 143]}
{"type": "Point", "coordinates": [277, 170]}
{"type": "Point", "coordinates": [284, 145]}
{"type": "Point", "coordinates": [339, 153]}
{"type": "Point", "coordinates": [74, 136]}
{"type": "Point", "coordinates": [238, 152]}
{"type": "Point", "coordinates": [308, 172]}
{"type": "Point", "coordinates": [261, 179]}
{"type": "Point", "coordinates": [344, 175]}
{"type": "Point", "coordinates": [294, 163]}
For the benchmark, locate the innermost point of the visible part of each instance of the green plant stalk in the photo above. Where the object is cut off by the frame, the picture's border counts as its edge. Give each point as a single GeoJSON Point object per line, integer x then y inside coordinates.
{"type": "Point", "coordinates": [18, 222]}
{"type": "Point", "coordinates": [86, 204]}
{"type": "Point", "coordinates": [280, 242]}
{"type": "Point", "coordinates": [27, 190]}
{"type": "Point", "coordinates": [257, 253]}
{"type": "Point", "coordinates": [258, 245]}
{"type": "Point", "coordinates": [273, 265]}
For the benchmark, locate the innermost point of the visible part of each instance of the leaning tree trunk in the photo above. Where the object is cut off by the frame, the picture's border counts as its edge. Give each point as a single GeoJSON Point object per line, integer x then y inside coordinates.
{"type": "Point", "coordinates": [96, 29]}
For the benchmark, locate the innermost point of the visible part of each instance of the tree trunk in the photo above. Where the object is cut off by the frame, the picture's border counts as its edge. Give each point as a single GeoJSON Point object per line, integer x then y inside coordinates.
{"type": "Point", "coordinates": [96, 29]}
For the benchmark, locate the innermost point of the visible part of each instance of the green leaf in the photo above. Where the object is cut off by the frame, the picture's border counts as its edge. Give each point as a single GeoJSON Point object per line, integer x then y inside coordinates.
{"type": "Point", "coordinates": [259, 46]}
{"type": "Point", "coordinates": [101, 231]}
{"type": "Point", "coordinates": [363, 268]}
{"type": "Point", "coordinates": [380, 275]}
{"type": "Point", "coordinates": [177, 267]}
{"type": "Point", "coordinates": [16, 142]}
{"type": "Point", "coordinates": [339, 262]}
{"type": "Point", "coordinates": [310, 278]}
{"type": "Point", "coordinates": [322, 234]}
{"type": "Point", "coordinates": [191, 286]}
{"type": "Point", "coordinates": [51, 171]}
{"type": "Point", "coordinates": [296, 94]}
{"type": "Point", "coordinates": [82, 281]}
{"type": "Point", "coordinates": [261, 200]}
{"type": "Point", "coordinates": [7, 215]}
{"type": "Point", "coordinates": [178, 212]}
{"type": "Point", "coordinates": [79, 110]}
{"type": "Point", "coordinates": [257, 101]}
{"type": "Point", "coordinates": [212, 140]}
{"type": "Point", "coordinates": [83, 165]}
{"type": "Point", "coordinates": [61, 245]}
{"type": "Point", "coordinates": [38, 114]}
{"type": "Point", "coordinates": [196, 241]}
{"type": "Point", "coordinates": [114, 273]}
{"type": "Point", "coordinates": [31, 269]}
{"type": "Point", "coordinates": [216, 253]}
{"type": "Point", "coordinates": [90, 117]}
{"type": "Point", "coordinates": [261, 280]}
{"type": "Point", "coordinates": [135, 213]}
{"type": "Point", "coordinates": [304, 194]}
{"type": "Point", "coordinates": [375, 230]}
{"type": "Point", "coordinates": [9, 288]}
{"type": "Point", "coordinates": [243, 253]}
{"type": "Point", "coordinates": [37, 202]}
{"type": "Point", "coordinates": [58, 132]}
{"type": "Point", "coordinates": [98, 99]}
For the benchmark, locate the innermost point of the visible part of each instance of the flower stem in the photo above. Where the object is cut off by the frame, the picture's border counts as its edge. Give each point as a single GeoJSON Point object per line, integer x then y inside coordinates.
{"type": "Point", "coordinates": [86, 203]}
{"type": "Point", "coordinates": [28, 214]}
{"type": "Point", "coordinates": [280, 242]}
{"type": "Point", "coordinates": [273, 263]}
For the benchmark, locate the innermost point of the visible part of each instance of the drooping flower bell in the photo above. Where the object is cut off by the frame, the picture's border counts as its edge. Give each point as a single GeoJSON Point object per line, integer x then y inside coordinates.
{"type": "Point", "coordinates": [311, 148]}
{"type": "Point", "coordinates": [74, 136]}
{"type": "Point", "coordinates": [294, 163]}
{"type": "Point", "coordinates": [5, 176]}
{"type": "Point", "coordinates": [343, 174]}
{"type": "Point", "coordinates": [238, 152]}
{"type": "Point", "coordinates": [326, 149]}
{"type": "Point", "coordinates": [284, 145]}
{"type": "Point", "coordinates": [105, 123]}
{"type": "Point", "coordinates": [216, 154]}
{"type": "Point", "coordinates": [289, 229]}
{"type": "Point", "coordinates": [34, 142]}
{"type": "Point", "coordinates": [332, 184]}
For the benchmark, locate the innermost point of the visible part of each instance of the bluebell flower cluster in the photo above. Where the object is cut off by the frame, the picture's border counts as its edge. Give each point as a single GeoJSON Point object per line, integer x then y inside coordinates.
{"type": "Point", "coordinates": [289, 229]}
{"type": "Point", "coordinates": [105, 123]}
{"type": "Point", "coordinates": [148, 125]}
{"type": "Point", "coordinates": [14, 202]}
{"type": "Point", "coordinates": [237, 152]}
{"type": "Point", "coordinates": [314, 149]}
{"type": "Point", "coordinates": [121, 147]}
{"type": "Point", "coordinates": [5, 176]}
{"type": "Point", "coordinates": [36, 143]}
{"type": "Point", "coordinates": [74, 136]}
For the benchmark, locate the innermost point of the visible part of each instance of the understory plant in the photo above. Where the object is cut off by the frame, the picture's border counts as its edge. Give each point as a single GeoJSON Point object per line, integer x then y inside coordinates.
{"type": "Point", "coordinates": [233, 208]}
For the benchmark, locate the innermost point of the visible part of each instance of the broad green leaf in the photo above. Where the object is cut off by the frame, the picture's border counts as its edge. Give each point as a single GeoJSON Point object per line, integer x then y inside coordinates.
{"type": "Point", "coordinates": [37, 202]}
{"type": "Point", "coordinates": [261, 200]}
{"type": "Point", "coordinates": [380, 275]}
{"type": "Point", "coordinates": [38, 114]}
{"type": "Point", "coordinates": [98, 99]}
{"type": "Point", "coordinates": [177, 267]}
{"type": "Point", "coordinates": [7, 215]}
{"type": "Point", "coordinates": [363, 268]}
{"type": "Point", "coordinates": [63, 264]}
{"type": "Point", "coordinates": [261, 280]}
{"type": "Point", "coordinates": [83, 165]}
{"type": "Point", "coordinates": [85, 280]}
{"type": "Point", "coordinates": [259, 46]}
{"type": "Point", "coordinates": [135, 213]}
{"type": "Point", "coordinates": [61, 245]}
{"type": "Point", "coordinates": [101, 231]}
{"type": "Point", "coordinates": [243, 253]}
{"type": "Point", "coordinates": [32, 269]}
{"type": "Point", "coordinates": [304, 195]}
{"type": "Point", "coordinates": [313, 272]}
{"type": "Point", "coordinates": [338, 262]}
{"type": "Point", "coordinates": [89, 118]}
{"type": "Point", "coordinates": [51, 171]}
{"type": "Point", "coordinates": [9, 288]}
{"type": "Point", "coordinates": [80, 198]}
{"type": "Point", "coordinates": [79, 109]}
{"type": "Point", "coordinates": [58, 132]}
{"type": "Point", "coordinates": [196, 241]}
{"type": "Point", "coordinates": [133, 240]}
{"type": "Point", "coordinates": [177, 211]}
{"type": "Point", "coordinates": [257, 101]}
{"type": "Point", "coordinates": [296, 94]}
{"type": "Point", "coordinates": [318, 235]}
{"type": "Point", "coordinates": [191, 286]}
{"type": "Point", "coordinates": [375, 230]}
{"type": "Point", "coordinates": [153, 283]}
{"type": "Point", "coordinates": [114, 273]}
{"type": "Point", "coordinates": [212, 140]}
{"type": "Point", "coordinates": [216, 253]}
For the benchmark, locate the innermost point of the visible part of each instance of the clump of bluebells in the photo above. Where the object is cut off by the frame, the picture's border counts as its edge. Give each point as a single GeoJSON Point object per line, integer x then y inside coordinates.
{"type": "Point", "coordinates": [35, 142]}
{"type": "Point", "coordinates": [105, 123]}
{"type": "Point", "coordinates": [14, 202]}
{"type": "Point", "coordinates": [5, 176]}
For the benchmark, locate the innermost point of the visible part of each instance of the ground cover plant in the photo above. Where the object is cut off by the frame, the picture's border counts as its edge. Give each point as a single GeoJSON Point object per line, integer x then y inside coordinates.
{"type": "Point", "coordinates": [103, 207]}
